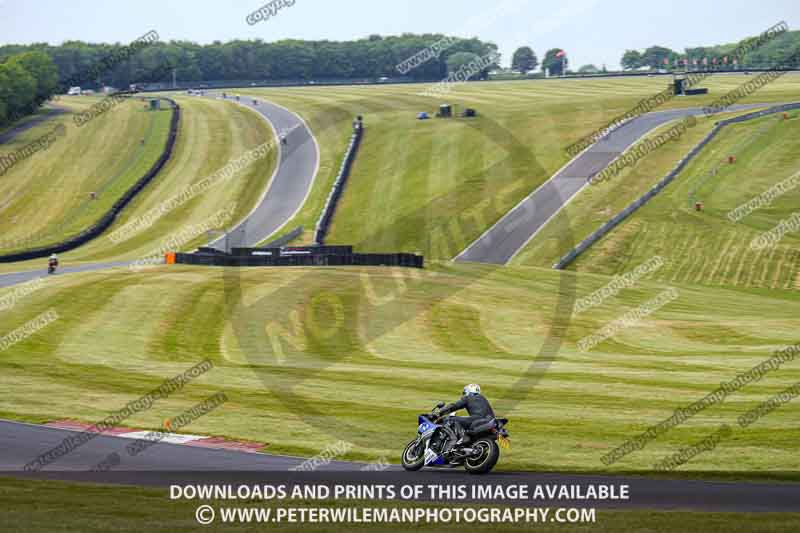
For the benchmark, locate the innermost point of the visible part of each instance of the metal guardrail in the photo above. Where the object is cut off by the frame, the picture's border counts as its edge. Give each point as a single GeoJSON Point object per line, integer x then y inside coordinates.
{"type": "Point", "coordinates": [666, 180]}
{"type": "Point", "coordinates": [323, 225]}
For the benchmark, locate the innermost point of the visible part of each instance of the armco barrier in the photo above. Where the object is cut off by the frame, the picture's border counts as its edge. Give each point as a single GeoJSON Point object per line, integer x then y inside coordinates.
{"type": "Point", "coordinates": [658, 187]}
{"type": "Point", "coordinates": [338, 186]}
{"type": "Point", "coordinates": [105, 222]}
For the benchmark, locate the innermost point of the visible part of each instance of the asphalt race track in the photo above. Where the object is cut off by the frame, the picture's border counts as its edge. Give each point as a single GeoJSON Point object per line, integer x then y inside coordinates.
{"type": "Point", "coordinates": [52, 111]}
{"type": "Point", "coordinates": [165, 464]}
{"type": "Point", "coordinates": [291, 184]}
{"type": "Point", "coordinates": [516, 228]}
{"type": "Point", "coordinates": [7, 280]}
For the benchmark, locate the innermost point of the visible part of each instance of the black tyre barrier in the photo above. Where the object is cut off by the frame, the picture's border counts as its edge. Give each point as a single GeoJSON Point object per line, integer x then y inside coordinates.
{"type": "Point", "coordinates": [338, 186]}
{"type": "Point", "coordinates": [105, 222]}
{"type": "Point", "coordinates": [297, 256]}
{"type": "Point", "coordinates": [666, 180]}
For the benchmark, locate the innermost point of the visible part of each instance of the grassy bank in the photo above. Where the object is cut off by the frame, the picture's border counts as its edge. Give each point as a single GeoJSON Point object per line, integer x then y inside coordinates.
{"type": "Point", "coordinates": [48, 194]}
{"type": "Point", "coordinates": [211, 135]}
{"type": "Point", "coordinates": [412, 177]}
{"type": "Point", "coordinates": [707, 247]}
{"type": "Point", "coordinates": [355, 354]}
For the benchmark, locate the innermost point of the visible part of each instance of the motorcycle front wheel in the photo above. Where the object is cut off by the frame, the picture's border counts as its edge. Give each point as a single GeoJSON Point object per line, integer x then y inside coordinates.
{"type": "Point", "coordinates": [487, 452]}
{"type": "Point", "coordinates": [413, 456]}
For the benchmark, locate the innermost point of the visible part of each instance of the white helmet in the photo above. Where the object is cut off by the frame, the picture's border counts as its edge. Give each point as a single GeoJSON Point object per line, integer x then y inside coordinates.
{"type": "Point", "coordinates": [53, 256]}
{"type": "Point", "coordinates": [472, 388]}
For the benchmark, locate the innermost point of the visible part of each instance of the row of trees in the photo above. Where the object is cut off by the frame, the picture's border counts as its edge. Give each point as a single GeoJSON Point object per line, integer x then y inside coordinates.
{"type": "Point", "coordinates": [26, 80]}
{"type": "Point", "coordinates": [29, 74]}
{"type": "Point", "coordinates": [772, 53]}
{"type": "Point", "coordinates": [372, 57]}
{"type": "Point", "coordinates": [525, 60]}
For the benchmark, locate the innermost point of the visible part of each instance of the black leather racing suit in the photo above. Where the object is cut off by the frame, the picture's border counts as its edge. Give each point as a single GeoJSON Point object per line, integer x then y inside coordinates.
{"type": "Point", "coordinates": [476, 405]}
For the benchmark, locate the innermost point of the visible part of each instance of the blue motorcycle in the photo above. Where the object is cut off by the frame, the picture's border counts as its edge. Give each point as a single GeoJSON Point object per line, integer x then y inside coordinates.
{"type": "Point", "coordinates": [435, 445]}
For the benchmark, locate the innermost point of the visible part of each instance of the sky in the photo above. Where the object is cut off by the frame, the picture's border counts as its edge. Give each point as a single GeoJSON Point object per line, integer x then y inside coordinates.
{"type": "Point", "coordinates": [591, 31]}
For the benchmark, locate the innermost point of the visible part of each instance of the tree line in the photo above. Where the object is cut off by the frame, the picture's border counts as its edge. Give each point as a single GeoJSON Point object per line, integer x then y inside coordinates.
{"type": "Point", "coordinates": [775, 53]}
{"type": "Point", "coordinates": [372, 57]}
{"type": "Point", "coordinates": [30, 74]}
{"type": "Point", "coordinates": [27, 80]}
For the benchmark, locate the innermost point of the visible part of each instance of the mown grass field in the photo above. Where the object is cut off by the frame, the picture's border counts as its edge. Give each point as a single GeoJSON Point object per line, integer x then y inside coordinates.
{"type": "Point", "coordinates": [412, 177]}
{"type": "Point", "coordinates": [31, 507]}
{"type": "Point", "coordinates": [368, 349]}
{"type": "Point", "coordinates": [47, 196]}
{"type": "Point", "coordinates": [212, 134]}
{"type": "Point", "coordinates": [344, 353]}
{"type": "Point", "coordinates": [707, 247]}
{"type": "Point", "coordinates": [595, 204]}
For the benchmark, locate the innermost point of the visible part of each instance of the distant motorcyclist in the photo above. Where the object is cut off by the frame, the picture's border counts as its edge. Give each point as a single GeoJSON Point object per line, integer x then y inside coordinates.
{"type": "Point", "coordinates": [52, 263]}
{"type": "Point", "coordinates": [477, 406]}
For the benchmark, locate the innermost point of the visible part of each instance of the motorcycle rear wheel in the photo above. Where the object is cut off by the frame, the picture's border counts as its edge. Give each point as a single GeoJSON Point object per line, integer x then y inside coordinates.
{"type": "Point", "coordinates": [413, 456]}
{"type": "Point", "coordinates": [486, 459]}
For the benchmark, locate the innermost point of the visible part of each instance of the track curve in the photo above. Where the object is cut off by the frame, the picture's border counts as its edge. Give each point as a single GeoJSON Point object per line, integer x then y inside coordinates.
{"type": "Point", "coordinates": [284, 195]}
{"type": "Point", "coordinates": [52, 111]}
{"type": "Point", "coordinates": [500, 243]}
{"type": "Point", "coordinates": [166, 464]}
{"type": "Point", "coordinates": [290, 185]}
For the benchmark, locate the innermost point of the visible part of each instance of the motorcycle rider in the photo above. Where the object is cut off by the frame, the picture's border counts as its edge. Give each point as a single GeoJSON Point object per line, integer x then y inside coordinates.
{"type": "Point", "coordinates": [477, 406]}
{"type": "Point", "coordinates": [52, 263]}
